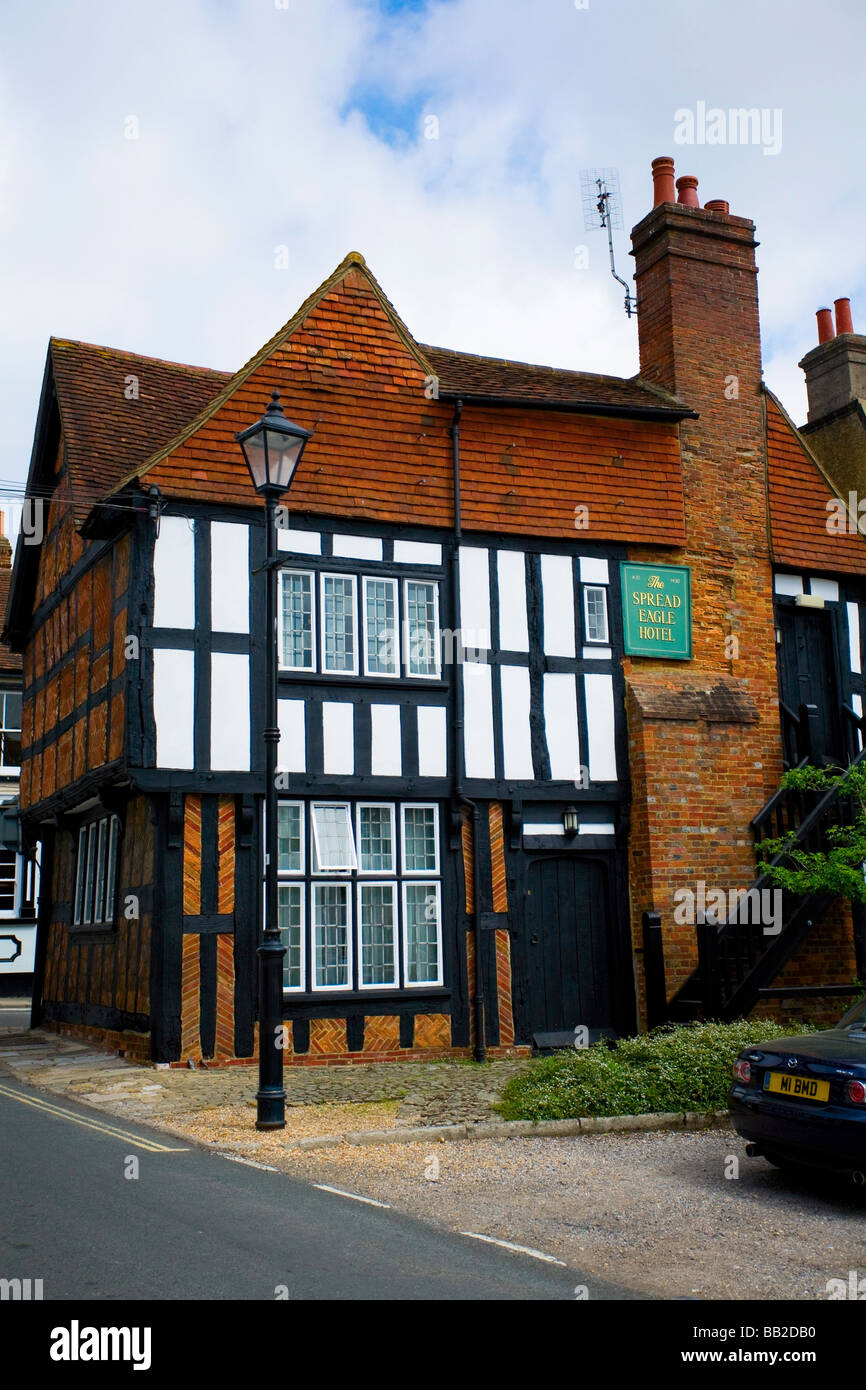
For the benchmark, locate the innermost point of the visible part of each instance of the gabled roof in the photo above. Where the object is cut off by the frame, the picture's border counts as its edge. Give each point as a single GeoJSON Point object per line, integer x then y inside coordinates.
{"type": "Point", "coordinates": [798, 490]}
{"type": "Point", "coordinates": [118, 408]}
{"type": "Point", "coordinates": [471, 377]}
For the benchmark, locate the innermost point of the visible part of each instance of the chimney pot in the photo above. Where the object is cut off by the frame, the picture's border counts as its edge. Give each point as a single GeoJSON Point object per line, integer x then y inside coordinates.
{"type": "Point", "coordinates": [663, 180]}
{"type": "Point", "coordinates": [826, 331]}
{"type": "Point", "coordinates": [688, 191]}
{"type": "Point", "coordinates": [844, 322]}
{"type": "Point", "coordinates": [718, 205]}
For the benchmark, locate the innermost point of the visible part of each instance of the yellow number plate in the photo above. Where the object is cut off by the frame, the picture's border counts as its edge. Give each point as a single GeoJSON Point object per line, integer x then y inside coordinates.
{"type": "Point", "coordinates": [803, 1087]}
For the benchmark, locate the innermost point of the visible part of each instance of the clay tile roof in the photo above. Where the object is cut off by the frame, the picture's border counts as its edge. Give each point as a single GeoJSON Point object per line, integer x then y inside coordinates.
{"type": "Point", "coordinates": [106, 434]}
{"type": "Point", "coordinates": [10, 662]}
{"type": "Point", "coordinates": [494, 378]}
{"type": "Point", "coordinates": [798, 493]}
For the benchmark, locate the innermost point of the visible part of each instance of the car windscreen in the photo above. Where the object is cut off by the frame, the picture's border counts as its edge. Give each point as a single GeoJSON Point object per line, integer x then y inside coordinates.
{"type": "Point", "coordinates": [854, 1021]}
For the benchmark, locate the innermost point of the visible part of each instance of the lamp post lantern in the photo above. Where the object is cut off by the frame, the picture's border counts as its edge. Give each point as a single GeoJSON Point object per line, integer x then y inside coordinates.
{"type": "Point", "coordinates": [272, 449]}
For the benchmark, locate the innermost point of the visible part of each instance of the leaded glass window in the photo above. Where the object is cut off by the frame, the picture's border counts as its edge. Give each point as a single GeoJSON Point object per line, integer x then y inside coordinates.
{"type": "Point", "coordinates": [297, 622]}
{"type": "Point", "coordinates": [339, 652]}
{"type": "Point", "coordinates": [421, 932]}
{"type": "Point", "coordinates": [422, 619]}
{"type": "Point", "coordinates": [377, 926]}
{"type": "Point", "coordinates": [376, 839]}
{"type": "Point", "coordinates": [331, 940]}
{"type": "Point", "coordinates": [381, 653]}
{"type": "Point", "coordinates": [420, 850]}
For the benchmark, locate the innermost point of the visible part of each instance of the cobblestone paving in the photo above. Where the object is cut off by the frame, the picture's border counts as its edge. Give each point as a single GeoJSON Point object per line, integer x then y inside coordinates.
{"type": "Point", "coordinates": [401, 1093]}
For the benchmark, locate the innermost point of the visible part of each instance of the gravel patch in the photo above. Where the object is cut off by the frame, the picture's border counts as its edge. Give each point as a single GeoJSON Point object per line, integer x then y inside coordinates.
{"type": "Point", "coordinates": [653, 1212]}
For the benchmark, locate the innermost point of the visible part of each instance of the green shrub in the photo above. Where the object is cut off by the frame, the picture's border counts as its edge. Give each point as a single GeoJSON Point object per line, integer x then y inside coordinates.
{"type": "Point", "coordinates": [685, 1067]}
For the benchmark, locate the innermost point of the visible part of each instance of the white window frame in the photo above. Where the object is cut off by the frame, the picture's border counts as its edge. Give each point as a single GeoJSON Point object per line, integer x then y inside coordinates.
{"type": "Point", "coordinates": [316, 868]}
{"type": "Point", "coordinates": [323, 665]}
{"type": "Point", "coordinates": [436, 674]}
{"type": "Point", "coordinates": [15, 909]}
{"type": "Point", "coordinates": [99, 879]}
{"type": "Point", "coordinates": [346, 885]}
{"type": "Point", "coordinates": [437, 890]}
{"type": "Point", "coordinates": [395, 900]}
{"type": "Point", "coordinates": [103, 832]}
{"type": "Point", "coordinates": [80, 875]}
{"type": "Point", "coordinates": [381, 806]}
{"type": "Point", "coordinates": [395, 585]}
{"type": "Point", "coordinates": [112, 847]}
{"type": "Point", "coordinates": [596, 641]}
{"type": "Point", "coordinates": [10, 769]}
{"type": "Point", "coordinates": [286, 882]}
{"type": "Point", "coordinates": [293, 873]}
{"type": "Point", "coordinates": [305, 574]}
{"type": "Point", "coordinates": [419, 806]}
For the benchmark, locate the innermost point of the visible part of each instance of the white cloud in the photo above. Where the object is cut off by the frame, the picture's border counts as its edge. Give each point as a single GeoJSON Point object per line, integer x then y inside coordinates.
{"type": "Point", "coordinates": [257, 130]}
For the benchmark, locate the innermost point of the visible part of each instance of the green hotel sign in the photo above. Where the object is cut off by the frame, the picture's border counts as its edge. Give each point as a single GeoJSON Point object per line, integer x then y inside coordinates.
{"type": "Point", "coordinates": [657, 610]}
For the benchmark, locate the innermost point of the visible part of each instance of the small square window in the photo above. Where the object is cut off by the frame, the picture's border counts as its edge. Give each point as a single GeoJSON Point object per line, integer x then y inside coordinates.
{"type": "Point", "coordinates": [595, 613]}
{"type": "Point", "coordinates": [290, 838]}
{"type": "Point", "coordinates": [381, 632]}
{"type": "Point", "coordinates": [339, 646]}
{"type": "Point", "coordinates": [421, 640]}
{"type": "Point", "coordinates": [421, 933]}
{"type": "Point", "coordinates": [333, 841]}
{"type": "Point", "coordinates": [297, 621]}
{"type": "Point", "coordinates": [377, 912]}
{"type": "Point", "coordinates": [420, 840]}
{"type": "Point", "coordinates": [290, 918]}
{"type": "Point", "coordinates": [332, 940]}
{"type": "Point", "coordinates": [376, 839]}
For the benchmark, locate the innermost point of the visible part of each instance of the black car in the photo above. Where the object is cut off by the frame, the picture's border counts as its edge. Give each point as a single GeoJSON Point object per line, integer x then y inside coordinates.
{"type": "Point", "coordinates": [803, 1099]}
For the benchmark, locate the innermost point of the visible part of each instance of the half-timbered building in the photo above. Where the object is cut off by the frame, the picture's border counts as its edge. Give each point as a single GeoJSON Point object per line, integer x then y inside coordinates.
{"type": "Point", "coordinates": [547, 640]}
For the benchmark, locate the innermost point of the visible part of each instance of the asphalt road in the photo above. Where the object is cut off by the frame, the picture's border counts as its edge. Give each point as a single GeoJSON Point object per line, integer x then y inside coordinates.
{"type": "Point", "coordinates": [193, 1225]}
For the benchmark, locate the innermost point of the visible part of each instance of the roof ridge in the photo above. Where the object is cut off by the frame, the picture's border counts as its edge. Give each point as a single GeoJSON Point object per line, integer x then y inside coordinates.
{"type": "Point", "coordinates": [139, 356]}
{"type": "Point", "coordinates": [354, 260]}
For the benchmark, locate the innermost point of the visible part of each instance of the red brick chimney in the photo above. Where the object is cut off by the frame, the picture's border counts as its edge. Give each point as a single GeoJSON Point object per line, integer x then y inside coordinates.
{"type": "Point", "coordinates": [836, 368]}
{"type": "Point", "coordinates": [697, 296]}
{"type": "Point", "coordinates": [698, 781]}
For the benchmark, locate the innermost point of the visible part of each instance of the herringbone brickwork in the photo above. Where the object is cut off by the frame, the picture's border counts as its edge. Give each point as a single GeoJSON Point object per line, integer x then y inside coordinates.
{"type": "Point", "coordinates": [226, 854]}
{"type": "Point", "coordinates": [192, 856]}
{"type": "Point", "coordinates": [382, 1034]}
{"type": "Point", "coordinates": [503, 987]}
{"type": "Point", "coordinates": [328, 1035]}
{"type": "Point", "coordinates": [190, 1005]}
{"type": "Point", "coordinates": [497, 858]}
{"type": "Point", "coordinates": [432, 1030]}
{"type": "Point", "coordinates": [225, 995]}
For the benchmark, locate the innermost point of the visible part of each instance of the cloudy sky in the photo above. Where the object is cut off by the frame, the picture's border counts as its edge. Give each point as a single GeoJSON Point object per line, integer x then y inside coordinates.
{"type": "Point", "coordinates": [305, 125]}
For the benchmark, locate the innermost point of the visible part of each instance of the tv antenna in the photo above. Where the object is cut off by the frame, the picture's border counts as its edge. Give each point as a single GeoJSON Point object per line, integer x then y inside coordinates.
{"type": "Point", "coordinates": [602, 207]}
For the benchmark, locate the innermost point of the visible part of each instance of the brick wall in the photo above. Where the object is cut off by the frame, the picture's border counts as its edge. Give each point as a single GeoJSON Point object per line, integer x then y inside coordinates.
{"type": "Point", "coordinates": [704, 737]}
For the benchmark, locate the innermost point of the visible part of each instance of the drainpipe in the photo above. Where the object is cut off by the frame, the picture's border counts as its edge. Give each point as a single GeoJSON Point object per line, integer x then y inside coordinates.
{"type": "Point", "coordinates": [459, 797]}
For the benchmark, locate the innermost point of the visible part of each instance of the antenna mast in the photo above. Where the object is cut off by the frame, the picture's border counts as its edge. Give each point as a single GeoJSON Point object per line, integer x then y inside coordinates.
{"type": "Point", "coordinates": [602, 208]}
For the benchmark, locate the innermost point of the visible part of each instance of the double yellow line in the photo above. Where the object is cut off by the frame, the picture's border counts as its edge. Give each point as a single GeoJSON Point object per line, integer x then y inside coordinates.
{"type": "Point", "coordinates": [113, 1131]}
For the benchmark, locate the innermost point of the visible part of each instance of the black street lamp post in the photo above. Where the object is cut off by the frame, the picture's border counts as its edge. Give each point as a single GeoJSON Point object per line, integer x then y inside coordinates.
{"type": "Point", "coordinates": [272, 448]}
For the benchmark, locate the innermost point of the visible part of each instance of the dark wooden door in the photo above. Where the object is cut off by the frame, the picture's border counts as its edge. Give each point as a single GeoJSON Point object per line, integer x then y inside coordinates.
{"type": "Point", "coordinates": [568, 930]}
{"type": "Point", "coordinates": [807, 672]}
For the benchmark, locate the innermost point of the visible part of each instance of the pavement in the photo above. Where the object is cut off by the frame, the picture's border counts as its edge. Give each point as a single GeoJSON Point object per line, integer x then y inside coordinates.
{"type": "Point", "coordinates": [321, 1101]}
